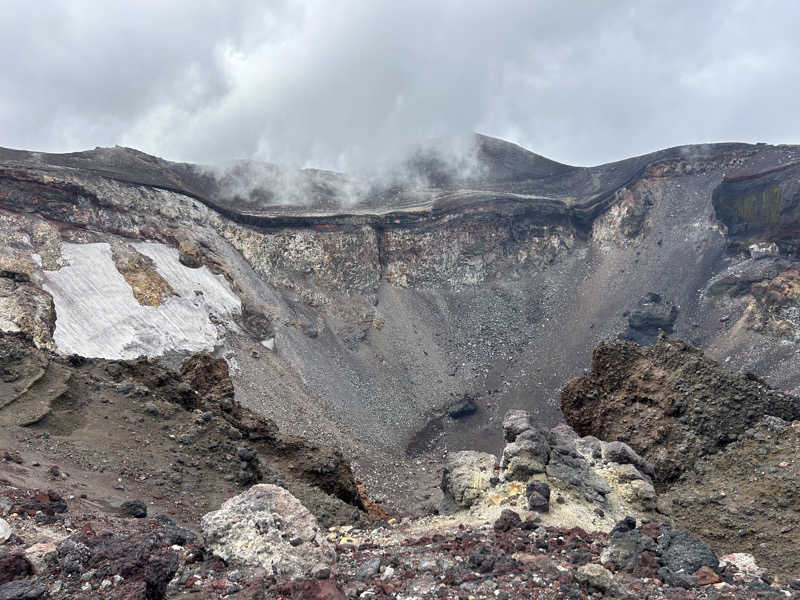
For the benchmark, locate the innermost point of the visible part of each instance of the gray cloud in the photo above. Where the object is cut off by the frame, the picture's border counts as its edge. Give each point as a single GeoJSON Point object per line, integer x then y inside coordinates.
{"type": "Point", "coordinates": [354, 85]}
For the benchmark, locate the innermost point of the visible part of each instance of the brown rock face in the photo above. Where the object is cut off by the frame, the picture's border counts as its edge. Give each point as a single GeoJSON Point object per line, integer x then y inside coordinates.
{"type": "Point", "coordinates": [751, 487]}
{"type": "Point", "coordinates": [668, 402]}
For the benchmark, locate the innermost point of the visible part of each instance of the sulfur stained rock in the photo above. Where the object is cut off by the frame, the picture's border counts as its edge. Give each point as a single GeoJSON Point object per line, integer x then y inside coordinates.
{"type": "Point", "coordinates": [467, 475]}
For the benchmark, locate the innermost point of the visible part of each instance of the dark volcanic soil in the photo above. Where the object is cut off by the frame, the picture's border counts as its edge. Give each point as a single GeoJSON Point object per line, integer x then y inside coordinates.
{"type": "Point", "coordinates": [745, 498]}
{"type": "Point", "coordinates": [135, 429]}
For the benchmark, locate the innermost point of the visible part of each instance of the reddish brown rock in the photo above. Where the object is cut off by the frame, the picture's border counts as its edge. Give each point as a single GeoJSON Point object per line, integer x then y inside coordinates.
{"type": "Point", "coordinates": [706, 576]}
{"type": "Point", "coordinates": [668, 402]}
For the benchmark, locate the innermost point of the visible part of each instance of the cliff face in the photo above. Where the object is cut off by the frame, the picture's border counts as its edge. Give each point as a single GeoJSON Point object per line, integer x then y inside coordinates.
{"type": "Point", "coordinates": [360, 322]}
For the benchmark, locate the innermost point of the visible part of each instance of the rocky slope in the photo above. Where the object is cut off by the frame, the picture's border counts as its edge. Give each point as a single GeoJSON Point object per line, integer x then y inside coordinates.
{"type": "Point", "coordinates": [669, 402]}
{"type": "Point", "coordinates": [361, 316]}
{"type": "Point", "coordinates": [507, 541]}
{"type": "Point", "coordinates": [113, 431]}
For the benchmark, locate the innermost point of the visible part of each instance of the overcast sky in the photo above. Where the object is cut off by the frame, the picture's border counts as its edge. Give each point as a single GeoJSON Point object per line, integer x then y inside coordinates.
{"type": "Point", "coordinates": [348, 84]}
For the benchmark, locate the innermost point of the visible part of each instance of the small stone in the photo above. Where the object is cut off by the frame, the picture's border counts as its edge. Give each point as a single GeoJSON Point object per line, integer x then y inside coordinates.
{"type": "Point", "coordinates": [5, 531]}
{"type": "Point", "coordinates": [538, 503]}
{"type": "Point", "coordinates": [507, 520]}
{"type": "Point", "coordinates": [133, 508]}
{"type": "Point", "coordinates": [246, 454]}
{"type": "Point", "coordinates": [596, 576]}
{"type": "Point", "coordinates": [387, 574]}
{"type": "Point", "coordinates": [369, 568]}
{"type": "Point", "coordinates": [705, 576]}
{"type": "Point", "coordinates": [151, 409]}
{"type": "Point", "coordinates": [427, 564]}
{"type": "Point", "coordinates": [321, 572]}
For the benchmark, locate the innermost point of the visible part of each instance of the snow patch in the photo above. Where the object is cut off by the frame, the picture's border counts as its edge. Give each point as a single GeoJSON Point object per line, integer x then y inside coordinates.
{"type": "Point", "coordinates": [98, 316]}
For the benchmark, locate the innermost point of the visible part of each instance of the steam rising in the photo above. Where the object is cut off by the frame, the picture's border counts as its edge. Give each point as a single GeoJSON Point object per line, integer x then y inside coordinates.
{"type": "Point", "coordinates": [440, 163]}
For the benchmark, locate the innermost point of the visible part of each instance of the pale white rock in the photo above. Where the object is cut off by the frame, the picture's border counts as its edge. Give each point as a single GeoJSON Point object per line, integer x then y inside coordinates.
{"type": "Point", "coordinates": [745, 564]}
{"type": "Point", "coordinates": [5, 531]}
{"type": "Point", "coordinates": [97, 314]}
{"type": "Point", "coordinates": [257, 528]}
{"type": "Point", "coordinates": [763, 250]}
{"type": "Point", "coordinates": [269, 344]}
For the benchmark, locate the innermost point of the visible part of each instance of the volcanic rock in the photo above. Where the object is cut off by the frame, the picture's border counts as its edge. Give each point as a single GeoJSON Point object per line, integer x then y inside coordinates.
{"type": "Point", "coordinates": [596, 576]}
{"type": "Point", "coordinates": [133, 508]}
{"type": "Point", "coordinates": [466, 476]}
{"type": "Point", "coordinates": [22, 590]}
{"type": "Point", "coordinates": [5, 531]}
{"type": "Point", "coordinates": [652, 314]}
{"type": "Point", "coordinates": [256, 527]}
{"type": "Point", "coordinates": [668, 402]}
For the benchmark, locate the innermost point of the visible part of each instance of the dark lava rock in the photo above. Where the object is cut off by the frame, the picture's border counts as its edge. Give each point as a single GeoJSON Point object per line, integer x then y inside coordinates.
{"type": "Point", "coordinates": [73, 556]}
{"type": "Point", "coordinates": [14, 566]}
{"type": "Point", "coordinates": [538, 503]}
{"type": "Point", "coordinates": [482, 558]}
{"type": "Point", "coordinates": [626, 524]}
{"type": "Point", "coordinates": [683, 552]}
{"type": "Point", "coordinates": [507, 520]}
{"type": "Point", "coordinates": [22, 590]}
{"type": "Point", "coordinates": [653, 314]}
{"type": "Point", "coordinates": [49, 503]}
{"type": "Point", "coordinates": [683, 580]}
{"type": "Point", "coordinates": [133, 508]}
{"type": "Point", "coordinates": [172, 534]}
{"type": "Point", "coordinates": [462, 408]}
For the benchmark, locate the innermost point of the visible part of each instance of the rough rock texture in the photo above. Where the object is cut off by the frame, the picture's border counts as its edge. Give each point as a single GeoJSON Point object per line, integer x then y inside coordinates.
{"type": "Point", "coordinates": [567, 479]}
{"type": "Point", "coordinates": [466, 476]}
{"type": "Point", "coordinates": [745, 498]}
{"type": "Point", "coordinates": [266, 526]}
{"type": "Point", "coordinates": [5, 531]}
{"type": "Point", "coordinates": [652, 315]}
{"type": "Point", "coordinates": [668, 402]}
{"type": "Point", "coordinates": [516, 558]}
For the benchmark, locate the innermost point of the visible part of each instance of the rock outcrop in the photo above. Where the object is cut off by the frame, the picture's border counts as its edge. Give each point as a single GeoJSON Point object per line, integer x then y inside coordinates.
{"type": "Point", "coordinates": [668, 402]}
{"type": "Point", "coordinates": [268, 527]}
{"type": "Point", "coordinates": [556, 473]}
{"type": "Point", "coordinates": [465, 478]}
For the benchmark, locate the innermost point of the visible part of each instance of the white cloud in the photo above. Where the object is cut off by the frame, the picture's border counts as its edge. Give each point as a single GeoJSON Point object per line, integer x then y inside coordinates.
{"type": "Point", "coordinates": [354, 84]}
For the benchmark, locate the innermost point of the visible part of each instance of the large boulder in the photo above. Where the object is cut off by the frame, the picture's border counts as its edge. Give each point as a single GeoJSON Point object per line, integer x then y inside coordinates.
{"type": "Point", "coordinates": [467, 475]}
{"type": "Point", "coordinates": [682, 552]}
{"type": "Point", "coordinates": [268, 527]}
